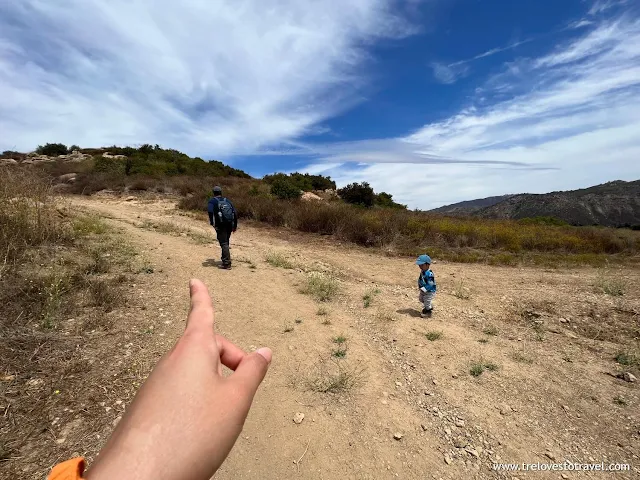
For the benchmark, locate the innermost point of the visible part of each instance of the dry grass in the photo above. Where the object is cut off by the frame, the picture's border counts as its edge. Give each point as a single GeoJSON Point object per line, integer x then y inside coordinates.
{"type": "Point", "coordinates": [477, 368]}
{"type": "Point", "coordinates": [320, 286]}
{"type": "Point", "coordinates": [56, 282]}
{"type": "Point", "coordinates": [433, 336]}
{"type": "Point", "coordinates": [367, 298]}
{"type": "Point", "coordinates": [616, 287]}
{"type": "Point", "coordinates": [279, 260]}
{"type": "Point", "coordinates": [461, 291]}
{"type": "Point", "coordinates": [334, 377]}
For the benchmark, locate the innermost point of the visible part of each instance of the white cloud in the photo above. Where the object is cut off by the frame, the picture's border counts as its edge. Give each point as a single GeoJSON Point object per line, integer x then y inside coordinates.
{"type": "Point", "coordinates": [571, 119]}
{"type": "Point", "coordinates": [448, 74]}
{"type": "Point", "coordinates": [204, 76]}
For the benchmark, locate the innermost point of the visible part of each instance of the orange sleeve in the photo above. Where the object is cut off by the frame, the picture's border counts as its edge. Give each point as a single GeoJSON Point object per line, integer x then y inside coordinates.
{"type": "Point", "coordinates": [69, 470]}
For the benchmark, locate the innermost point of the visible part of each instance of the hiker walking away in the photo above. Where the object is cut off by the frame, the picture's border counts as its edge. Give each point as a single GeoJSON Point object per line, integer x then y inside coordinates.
{"type": "Point", "coordinates": [426, 284]}
{"type": "Point", "coordinates": [224, 219]}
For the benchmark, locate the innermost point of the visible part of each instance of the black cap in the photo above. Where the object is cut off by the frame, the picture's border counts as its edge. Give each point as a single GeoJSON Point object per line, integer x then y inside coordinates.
{"type": "Point", "coordinates": [217, 189]}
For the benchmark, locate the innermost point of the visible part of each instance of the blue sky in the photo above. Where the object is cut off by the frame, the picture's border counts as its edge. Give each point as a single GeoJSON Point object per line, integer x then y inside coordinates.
{"type": "Point", "coordinates": [434, 101]}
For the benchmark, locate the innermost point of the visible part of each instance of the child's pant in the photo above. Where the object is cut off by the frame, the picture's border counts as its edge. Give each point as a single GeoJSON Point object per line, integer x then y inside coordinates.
{"type": "Point", "coordinates": [426, 298]}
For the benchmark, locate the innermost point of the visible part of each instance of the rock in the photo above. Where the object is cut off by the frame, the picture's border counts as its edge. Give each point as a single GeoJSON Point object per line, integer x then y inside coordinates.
{"type": "Point", "coordinates": [550, 455]}
{"type": "Point", "coordinates": [564, 475]}
{"type": "Point", "coordinates": [447, 431]}
{"type": "Point", "coordinates": [571, 335]}
{"type": "Point", "coordinates": [298, 418]}
{"type": "Point", "coordinates": [505, 409]}
{"type": "Point", "coordinates": [447, 459]}
{"type": "Point", "coordinates": [472, 451]}
{"type": "Point", "coordinates": [627, 377]}
{"type": "Point", "coordinates": [68, 177]}
{"type": "Point", "coordinates": [309, 196]}
{"type": "Point", "coordinates": [563, 320]}
{"type": "Point", "coordinates": [35, 382]}
{"type": "Point", "coordinates": [129, 199]}
{"type": "Point", "coordinates": [459, 423]}
{"type": "Point", "coordinates": [434, 381]}
{"type": "Point", "coordinates": [424, 427]}
{"type": "Point", "coordinates": [398, 436]}
{"type": "Point", "coordinates": [8, 161]}
{"type": "Point", "coordinates": [460, 442]}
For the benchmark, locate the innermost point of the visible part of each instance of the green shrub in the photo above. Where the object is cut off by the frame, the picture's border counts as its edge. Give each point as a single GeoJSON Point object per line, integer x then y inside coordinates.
{"type": "Point", "coordinates": [320, 286]}
{"type": "Point", "coordinates": [285, 190]}
{"type": "Point", "coordinates": [358, 194]}
{"type": "Point", "coordinates": [52, 149]}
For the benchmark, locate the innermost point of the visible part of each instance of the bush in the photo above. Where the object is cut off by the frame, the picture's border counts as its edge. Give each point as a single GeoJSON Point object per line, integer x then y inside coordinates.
{"type": "Point", "coordinates": [73, 148]}
{"type": "Point", "coordinates": [358, 194]}
{"type": "Point", "coordinates": [285, 190]}
{"type": "Point", "coordinates": [384, 199]}
{"type": "Point", "coordinates": [52, 149]}
{"type": "Point", "coordinates": [304, 182]}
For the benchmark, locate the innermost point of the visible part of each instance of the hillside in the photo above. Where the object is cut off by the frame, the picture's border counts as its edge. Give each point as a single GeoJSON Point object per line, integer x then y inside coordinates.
{"type": "Point", "coordinates": [469, 207]}
{"type": "Point", "coordinates": [612, 204]}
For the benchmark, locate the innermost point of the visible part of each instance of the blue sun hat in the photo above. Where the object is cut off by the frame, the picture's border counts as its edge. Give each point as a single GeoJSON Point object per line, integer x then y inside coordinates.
{"type": "Point", "coordinates": [423, 259]}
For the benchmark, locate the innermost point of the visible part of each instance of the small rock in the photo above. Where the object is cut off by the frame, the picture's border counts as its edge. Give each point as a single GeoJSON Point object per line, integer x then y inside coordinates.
{"type": "Point", "coordinates": [628, 377]}
{"type": "Point", "coordinates": [563, 320]}
{"type": "Point", "coordinates": [472, 451]}
{"type": "Point", "coordinates": [505, 409]}
{"type": "Point", "coordinates": [459, 423]}
{"type": "Point", "coordinates": [428, 393]}
{"type": "Point", "coordinates": [564, 475]}
{"type": "Point", "coordinates": [454, 376]}
{"type": "Point", "coordinates": [460, 442]}
{"type": "Point", "coordinates": [398, 436]}
{"type": "Point", "coordinates": [447, 431]}
{"type": "Point", "coordinates": [398, 384]}
{"type": "Point", "coordinates": [298, 418]}
{"type": "Point", "coordinates": [423, 426]}
{"type": "Point", "coordinates": [447, 459]}
{"type": "Point", "coordinates": [565, 407]}
{"type": "Point", "coordinates": [550, 455]}
{"type": "Point", "coordinates": [129, 199]}
{"type": "Point", "coordinates": [434, 381]}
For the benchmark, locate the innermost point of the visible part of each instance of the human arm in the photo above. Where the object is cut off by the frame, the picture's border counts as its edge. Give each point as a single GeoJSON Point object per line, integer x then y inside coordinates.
{"type": "Point", "coordinates": [211, 211]}
{"type": "Point", "coordinates": [187, 416]}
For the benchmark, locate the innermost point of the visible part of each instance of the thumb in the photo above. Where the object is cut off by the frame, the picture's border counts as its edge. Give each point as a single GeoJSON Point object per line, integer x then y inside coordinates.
{"type": "Point", "coordinates": [251, 371]}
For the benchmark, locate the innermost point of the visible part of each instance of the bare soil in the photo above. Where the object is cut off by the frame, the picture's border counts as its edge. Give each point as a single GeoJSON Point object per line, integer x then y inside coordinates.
{"type": "Point", "coordinates": [411, 408]}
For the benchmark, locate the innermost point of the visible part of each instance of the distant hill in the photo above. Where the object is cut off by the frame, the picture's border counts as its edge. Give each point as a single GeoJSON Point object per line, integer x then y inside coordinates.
{"type": "Point", "coordinates": [612, 204]}
{"type": "Point", "coordinates": [469, 207]}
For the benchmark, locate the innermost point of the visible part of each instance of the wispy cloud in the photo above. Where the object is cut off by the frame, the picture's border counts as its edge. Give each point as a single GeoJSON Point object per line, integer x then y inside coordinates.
{"type": "Point", "coordinates": [222, 77]}
{"type": "Point", "coordinates": [448, 74]}
{"type": "Point", "coordinates": [576, 108]}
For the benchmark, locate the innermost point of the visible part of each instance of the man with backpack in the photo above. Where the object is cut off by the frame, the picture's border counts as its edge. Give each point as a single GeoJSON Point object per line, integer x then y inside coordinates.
{"type": "Point", "coordinates": [223, 217]}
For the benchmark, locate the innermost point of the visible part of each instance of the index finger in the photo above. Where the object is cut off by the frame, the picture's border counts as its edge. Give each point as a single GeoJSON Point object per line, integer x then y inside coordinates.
{"type": "Point", "coordinates": [201, 312]}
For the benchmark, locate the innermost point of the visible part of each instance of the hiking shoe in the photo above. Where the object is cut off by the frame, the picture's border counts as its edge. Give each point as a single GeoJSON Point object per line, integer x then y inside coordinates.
{"type": "Point", "coordinates": [224, 267]}
{"type": "Point", "coordinates": [426, 313]}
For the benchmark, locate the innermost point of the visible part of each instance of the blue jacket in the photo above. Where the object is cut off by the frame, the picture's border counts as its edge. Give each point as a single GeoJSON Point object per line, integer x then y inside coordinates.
{"type": "Point", "coordinates": [427, 280]}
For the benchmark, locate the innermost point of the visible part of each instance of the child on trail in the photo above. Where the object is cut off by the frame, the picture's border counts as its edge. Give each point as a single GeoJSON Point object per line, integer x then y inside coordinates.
{"type": "Point", "coordinates": [426, 284]}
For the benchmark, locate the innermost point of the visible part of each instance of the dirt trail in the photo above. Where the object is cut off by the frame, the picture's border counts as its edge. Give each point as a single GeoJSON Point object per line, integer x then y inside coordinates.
{"type": "Point", "coordinates": [549, 400]}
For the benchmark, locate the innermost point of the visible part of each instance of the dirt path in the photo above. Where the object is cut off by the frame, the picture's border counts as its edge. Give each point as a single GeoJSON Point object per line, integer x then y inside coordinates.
{"type": "Point", "coordinates": [551, 337]}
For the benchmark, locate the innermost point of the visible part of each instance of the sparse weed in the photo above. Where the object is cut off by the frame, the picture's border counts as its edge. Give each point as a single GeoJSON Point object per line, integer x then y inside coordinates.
{"type": "Point", "coordinates": [340, 339]}
{"type": "Point", "coordinates": [483, 340]}
{"type": "Point", "coordinates": [278, 259]}
{"type": "Point", "coordinates": [298, 321]}
{"type": "Point", "coordinates": [620, 401]}
{"type": "Point", "coordinates": [322, 287]}
{"type": "Point", "coordinates": [433, 336]}
{"type": "Point", "coordinates": [521, 358]}
{"type": "Point", "coordinates": [326, 321]}
{"type": "Point", "coordinates": [385, 315]}
{"type": "Point", "coordinates": [367, 298]}
{"type": "Point", "coordinates": [461, 291]}
{"type": "Point", "coordinates": [616, 287]}
{"type": "Point", "coordinates": [628, 359]}
{"type": "Point", "coordinates": [334, 377]}
{"type": "Point", "coordinates": [491, 330]}
{"type": "Point", "coordinates": [287, 328]}
{"type": "Point", "coordinates": [478, 367]}
{"type": "Point", "coordinates": [322, 311]}
{"type": "Point", "coordinates": [339, 352]}
{"type": "Point", "coordinates": [53, 294]}
{"type": "Point", "coordinates": [89, 224]}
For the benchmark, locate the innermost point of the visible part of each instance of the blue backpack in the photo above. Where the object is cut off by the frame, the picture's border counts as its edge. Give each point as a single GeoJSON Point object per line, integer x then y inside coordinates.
{"type": "Point", "coordinates": [226, 213]}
